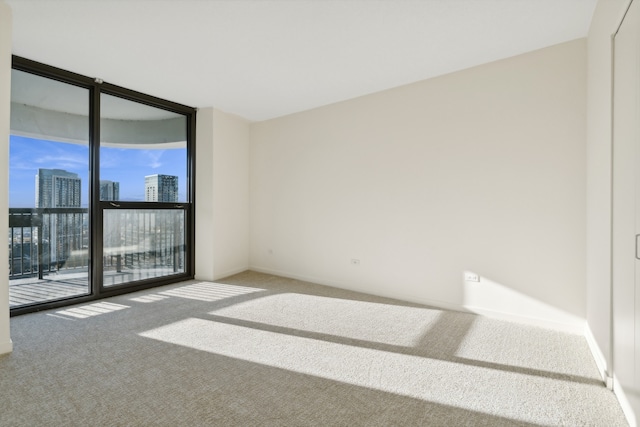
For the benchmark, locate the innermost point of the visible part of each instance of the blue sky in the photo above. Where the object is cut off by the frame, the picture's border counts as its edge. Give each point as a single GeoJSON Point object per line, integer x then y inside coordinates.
{"type": "Point", "coordinates": [126, 166]}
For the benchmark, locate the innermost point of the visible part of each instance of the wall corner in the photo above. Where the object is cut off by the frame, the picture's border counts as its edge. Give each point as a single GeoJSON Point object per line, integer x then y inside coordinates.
{"type": "Point", "coordinates": [204, 195]}
{"type": "Point", "coordinates": [5, 110]}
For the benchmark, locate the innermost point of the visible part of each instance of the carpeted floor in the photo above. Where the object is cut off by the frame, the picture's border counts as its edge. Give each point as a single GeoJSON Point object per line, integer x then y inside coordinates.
{"type": "Point", "coordinates": [260, 350]}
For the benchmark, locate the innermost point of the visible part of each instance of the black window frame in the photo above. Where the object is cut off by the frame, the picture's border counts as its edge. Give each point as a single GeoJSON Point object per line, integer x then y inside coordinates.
{"type": "Point", "coordinates": [96, 207]}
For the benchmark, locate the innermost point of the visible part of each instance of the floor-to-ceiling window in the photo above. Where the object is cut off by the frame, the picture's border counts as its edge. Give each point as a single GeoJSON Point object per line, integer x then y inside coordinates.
{"type": "Point", "coordinates": [48, 190]}
{"type": "Point", "coordinates": [101, 189]}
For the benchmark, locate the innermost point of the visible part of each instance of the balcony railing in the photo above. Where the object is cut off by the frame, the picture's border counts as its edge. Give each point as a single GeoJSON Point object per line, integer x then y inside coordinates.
{"type": "Point", "coordinates": [52, 240]}
{"type": "Point", "coordinates": [47, 240]}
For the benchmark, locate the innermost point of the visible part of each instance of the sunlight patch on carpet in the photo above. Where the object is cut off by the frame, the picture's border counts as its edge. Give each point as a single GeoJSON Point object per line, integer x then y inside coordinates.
{"type": "Point", "coordinates": [469, 387]}
{"type": "Point", "coordinates": [209, 292]}
{"type": "Point", "coordinates": [90, 310]}
{"type": "Point", "coordinates": [359, 320]}
{"type": "Point", "coordinates": [149, 298]}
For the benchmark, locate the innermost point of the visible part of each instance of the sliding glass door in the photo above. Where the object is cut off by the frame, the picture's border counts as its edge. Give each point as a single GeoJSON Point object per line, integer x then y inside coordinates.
{"type": "Point", "coordinates": [101, 189]}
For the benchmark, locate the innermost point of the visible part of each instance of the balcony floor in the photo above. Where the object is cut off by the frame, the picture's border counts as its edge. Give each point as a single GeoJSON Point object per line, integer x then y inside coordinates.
{"type": "Point", "coordinates": [56, 286]}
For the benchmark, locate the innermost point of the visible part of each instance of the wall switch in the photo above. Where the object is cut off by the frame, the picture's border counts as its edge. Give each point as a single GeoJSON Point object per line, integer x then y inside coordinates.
{"type": "Point", "coordinates": [471, 277]}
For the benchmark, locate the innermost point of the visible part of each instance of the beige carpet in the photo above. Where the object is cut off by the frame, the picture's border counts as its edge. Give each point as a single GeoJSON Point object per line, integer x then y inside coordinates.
{"type": "Point", "coordinates": [259, 350]}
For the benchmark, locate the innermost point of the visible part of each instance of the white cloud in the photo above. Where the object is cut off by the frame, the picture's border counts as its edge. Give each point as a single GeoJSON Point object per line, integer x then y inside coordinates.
{"type": "Point", "coordinates": [154, 158]}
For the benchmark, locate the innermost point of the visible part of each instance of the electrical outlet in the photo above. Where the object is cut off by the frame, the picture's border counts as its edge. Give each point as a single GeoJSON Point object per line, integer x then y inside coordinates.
{"type": "Point", "coordinates": [355, 262]}
{"type": "Point", "coordinates": [471, 277]}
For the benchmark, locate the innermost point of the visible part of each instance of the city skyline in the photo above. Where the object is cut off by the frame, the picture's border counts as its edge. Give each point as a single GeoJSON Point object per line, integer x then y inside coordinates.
{"type": "Point", "coordinates": [126, 166]}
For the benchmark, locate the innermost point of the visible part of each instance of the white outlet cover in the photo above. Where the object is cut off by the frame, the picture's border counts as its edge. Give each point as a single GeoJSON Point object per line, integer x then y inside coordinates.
{"type": "Point", "coordinates": [471, 277]}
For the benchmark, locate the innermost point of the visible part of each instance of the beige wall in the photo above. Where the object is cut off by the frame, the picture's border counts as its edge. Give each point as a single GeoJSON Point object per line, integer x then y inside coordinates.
{"type": "Point", "coordinates": [222, 199]}
{"type": "Point", "coordinates": [5, 103]}
{"type": "Point", "coordinates": [204, 194]}
{"type": "Point", "coordinates": [481, 170]}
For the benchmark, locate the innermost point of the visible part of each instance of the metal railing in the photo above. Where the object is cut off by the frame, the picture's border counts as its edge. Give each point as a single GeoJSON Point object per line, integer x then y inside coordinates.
{"type": "Point", "coordinates": [46, 240]}
{"type": "Point", "coordinates": [135, 239]}
{"type": "Point", "coordinates": [50, 240]}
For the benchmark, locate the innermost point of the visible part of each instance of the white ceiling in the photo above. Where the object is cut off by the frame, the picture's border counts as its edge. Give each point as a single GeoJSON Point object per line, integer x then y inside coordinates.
{"type": "Point", "coordinates": [262, 59]}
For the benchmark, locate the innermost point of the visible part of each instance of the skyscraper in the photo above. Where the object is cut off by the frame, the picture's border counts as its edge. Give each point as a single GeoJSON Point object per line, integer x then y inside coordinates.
{"type": "Point", "coordinates": [161, 188]}
{"type": "Point", "coordinates": [57, 188]}
{"type": "Point", "coordinates": [109, 190]}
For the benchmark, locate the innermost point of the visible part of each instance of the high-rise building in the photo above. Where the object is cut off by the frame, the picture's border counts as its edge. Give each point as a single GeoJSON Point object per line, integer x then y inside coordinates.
{"type": "Point", "coordinates": [161, 188]}
{"type": "Point", "coordinates": [109, 190]}
{"type": "Point", "coordinates": [57, 188]}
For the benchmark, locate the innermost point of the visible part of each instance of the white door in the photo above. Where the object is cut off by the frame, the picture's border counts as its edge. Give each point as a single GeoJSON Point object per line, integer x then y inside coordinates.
{"type": "Point", "coordinates": [626, 210]}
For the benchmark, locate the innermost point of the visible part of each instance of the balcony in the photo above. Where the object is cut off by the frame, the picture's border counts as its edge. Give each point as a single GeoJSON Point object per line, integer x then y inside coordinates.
{"type": "Point", "coordinates": [49, 250]}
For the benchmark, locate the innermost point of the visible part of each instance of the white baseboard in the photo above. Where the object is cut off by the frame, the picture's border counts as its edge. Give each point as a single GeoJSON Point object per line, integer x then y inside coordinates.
{"type": "Point", "coordinates": [333, 284]}
{"type": "Point", "coordinates": [222, 275]}
{"type": "Point", "coordinates": [6, 347]}
{"type": "Point", "coordinates": [626, 405]}
{"type": "Point", "coordinates": [598, 356]}
{"type": "Point", "coordinates": [573, 327]}
{"type": "Point", "coordinates": [227, 273]}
